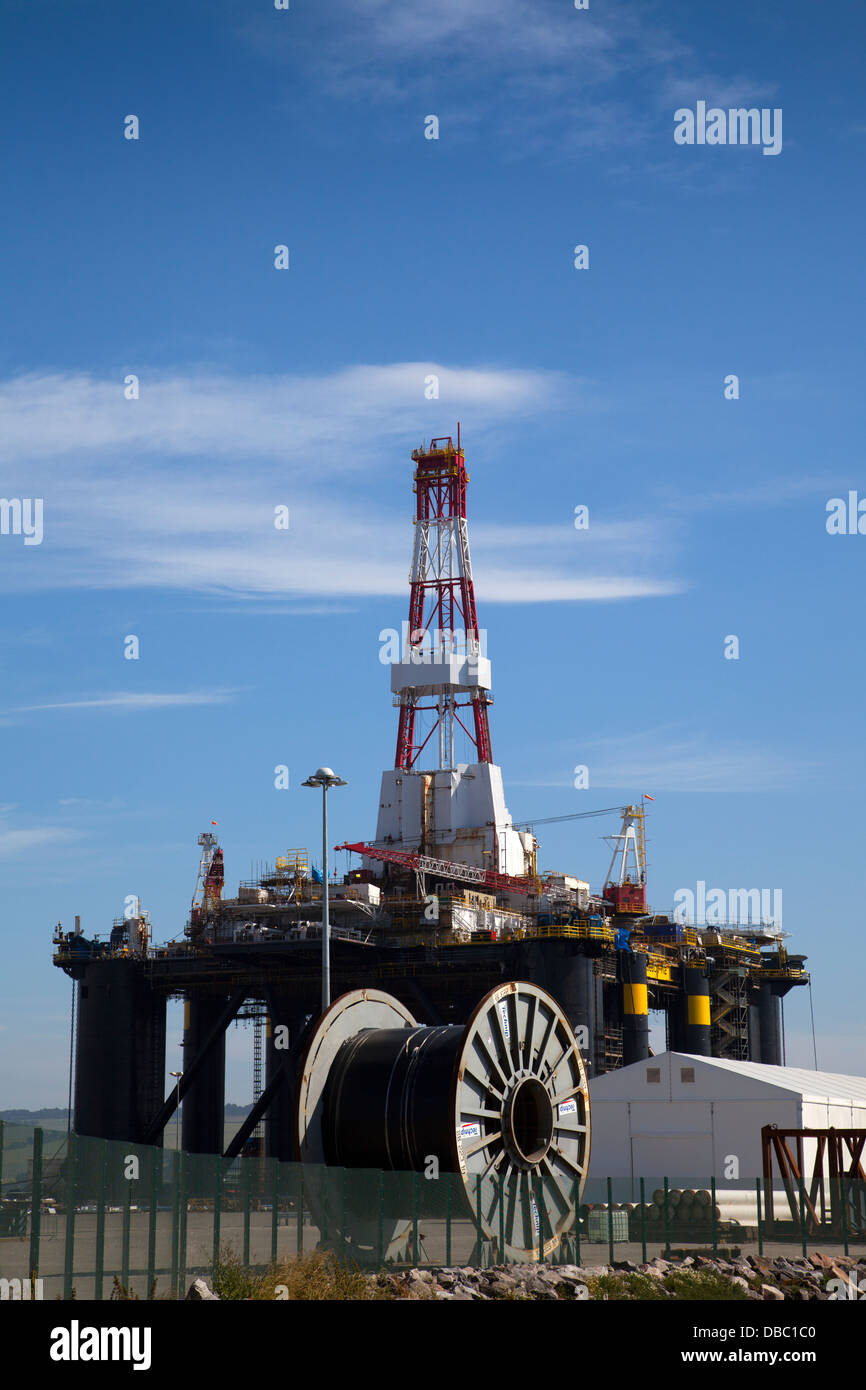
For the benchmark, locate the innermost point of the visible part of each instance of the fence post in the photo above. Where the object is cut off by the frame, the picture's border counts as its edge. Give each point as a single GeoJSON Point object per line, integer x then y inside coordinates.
{"type": "Point", "coordinates": [667, 1222]}
{"type": "Point", "coordinates": [642, 1222]}
{"type": "Point", "coordinates": [760, 1222]}
{"type": "Point", "coordinates": [275, 1210]}
{"type": "Point", "coordinates": [325, 1205]}
{"type": "Point", "coordinates": [300, 1240]}
{"type": "Point", "coordinates": [217, 1209]}
{"type": "Point", "coordinates": [802, 1216]}
{"type": "Point", "coordinates": [713, 1209]}
{"type": "Point", "coordinates": [844, 1210]}
{"type": "Point", "coordinates": [100, 1221]}
{"type": "Point", "coordinates": [71, 1194]}
{"type": "Point", "coordinates": [183, 1183]}
{"type": "Point", "coordinates": [175, 1221]}
{"type": "Point", "coordinates": [610, 1220]}
{"type": "Point", "coordinates": [248, 1197]}
{"type": "Point", "coordinates": [343, 1213]}
{"type": "Point", "coordinates": [448, 1222]}
{"type": "Point", "coordinates": [36, 1203]}
{"type": "Point", "coordinates": [127, 1218]}
{"type": "Point", "coordinates": [478, 1228]}
{"type": "Point", "coordinates": [823, 1197]}
{"type": "Point", "coordinates": [577, 1218]}
{"type": "Point", "coordinates": [415, 1194]}
{"type": "Point", "coordinates": [502, 1218]}
{"type": "Point", "coordinates": [153, 1215]}
{"type": "Point", "coordinates": [564, 1249]}
{"type": "Point", "coordinates": [381, 1219]}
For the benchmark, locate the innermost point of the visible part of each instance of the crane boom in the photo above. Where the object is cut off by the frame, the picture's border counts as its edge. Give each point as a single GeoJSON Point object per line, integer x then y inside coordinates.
{"type": "Point", "coordinates": [573, 815]}
{"type": "Point", "coordinates": [625, 884]}
{"type": "Point", "coordinates": [446, 868]}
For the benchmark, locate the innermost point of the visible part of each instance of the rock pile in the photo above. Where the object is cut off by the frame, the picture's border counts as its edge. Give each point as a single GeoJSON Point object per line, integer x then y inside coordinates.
{"type": "Point", "coordinates": [761, 1278]}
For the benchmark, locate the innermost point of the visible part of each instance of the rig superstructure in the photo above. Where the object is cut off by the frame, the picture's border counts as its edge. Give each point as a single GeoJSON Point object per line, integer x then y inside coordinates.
{"type": "Point", "coordinates": [447, 902]}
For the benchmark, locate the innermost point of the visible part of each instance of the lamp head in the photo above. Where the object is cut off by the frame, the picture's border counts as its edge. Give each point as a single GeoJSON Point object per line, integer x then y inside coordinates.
{"type": "Point", "coordinates": [324, 777]}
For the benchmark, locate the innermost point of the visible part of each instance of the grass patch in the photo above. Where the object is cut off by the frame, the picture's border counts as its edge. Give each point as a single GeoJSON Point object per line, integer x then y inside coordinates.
{"type": "Point", "coordinates": [232, 1279]}
{"type": "Point", "coordinates": [684, 1284]}
{"type": "Point", "coordinates": [703, 1284]}
{"type": "Point", "coordinates": [320, 1276]}
{"type": "Point", "coordinates": [629, 1286]}
{"type": "Point", "coordinates": [121, 1293]}
{"type": "Point", "coordinates": [316, 1277]}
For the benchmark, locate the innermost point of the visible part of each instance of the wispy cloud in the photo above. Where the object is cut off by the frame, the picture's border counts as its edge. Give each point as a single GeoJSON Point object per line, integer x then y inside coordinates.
{"type": "Point", "coordinates": [544, 72]}
{"type": "Point", "coordinates": [385, 36]}
{"type": "Point", "coordinates": [285, 418]}
{"type": "Point", "coordinates": [129, 701]}
{"type": "Point", "coordinates": [776, 492]}
{"type": "Point", "coordinates": [86, 803]}
{"type": "Point", "coordinates": [715, 90]}
{"type": "Point", "coordinates": [15, 844]}
{"type": "Point", "coordinates": [667, 759]}
{"type": "Point", "coordinates": [544, 586]}
{"type": "Point", "coordinates": [178, 490]}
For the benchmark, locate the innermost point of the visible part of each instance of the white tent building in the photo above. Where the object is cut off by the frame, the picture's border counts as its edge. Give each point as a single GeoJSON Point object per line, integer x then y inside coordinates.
{"type": "Point", "coordinates": [685, 1117]}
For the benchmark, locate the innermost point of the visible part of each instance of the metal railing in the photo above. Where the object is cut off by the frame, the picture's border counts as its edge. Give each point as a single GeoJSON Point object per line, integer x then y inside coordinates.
{"type": "Point", "coordinates": [86, 1215]}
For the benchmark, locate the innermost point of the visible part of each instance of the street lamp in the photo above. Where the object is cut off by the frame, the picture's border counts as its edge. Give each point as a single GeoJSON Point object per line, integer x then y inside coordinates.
{"type": "Point", "coordinates": [325, 777]}
{"type": "Point", "coordinates": [178, 1074]}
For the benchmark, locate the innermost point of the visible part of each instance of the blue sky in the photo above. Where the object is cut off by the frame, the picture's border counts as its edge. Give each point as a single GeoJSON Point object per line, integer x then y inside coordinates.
{"type": "Point", "coordinates": [305, 388]}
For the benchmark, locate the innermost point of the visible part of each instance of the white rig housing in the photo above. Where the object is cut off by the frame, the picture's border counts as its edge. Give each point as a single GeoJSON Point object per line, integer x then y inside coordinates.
{"type": "Point", "coordinates": [454, 813]}
{"type": "Point", "coordinates": [441, 675]}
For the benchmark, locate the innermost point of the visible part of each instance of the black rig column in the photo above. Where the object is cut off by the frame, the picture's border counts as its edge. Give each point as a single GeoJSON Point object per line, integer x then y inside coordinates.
{"type": "Point", "coordinates": [559, 965]}
{"type": "Point", "coordinates": [697, 1011]}
{"type": "Point", "coordinates": [120, 1058]}
{"type": "Point", "coordinates": [204, 1102]}
{"type": "Point", "coordinates": [635, 1015]}
{"type": "Point", "coordinates": [769, 1025]}
{"type": "Point", "coordinates": [285, 1024]}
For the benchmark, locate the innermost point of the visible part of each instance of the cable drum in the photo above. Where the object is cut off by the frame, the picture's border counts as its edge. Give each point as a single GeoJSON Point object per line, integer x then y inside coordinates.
{"type": "Point", "coordinates": [502, 1103]}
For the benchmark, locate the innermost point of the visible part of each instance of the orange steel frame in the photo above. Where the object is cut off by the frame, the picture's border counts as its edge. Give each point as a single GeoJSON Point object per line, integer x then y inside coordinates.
{"type": "Point", "coordinates": [843, 1151]}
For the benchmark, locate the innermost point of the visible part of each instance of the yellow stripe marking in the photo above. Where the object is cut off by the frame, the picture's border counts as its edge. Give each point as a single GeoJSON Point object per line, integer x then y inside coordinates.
{"type": "Point", "coordinates": [699, 1009]}
{"type": "Point", "coordinates": [634, 999]}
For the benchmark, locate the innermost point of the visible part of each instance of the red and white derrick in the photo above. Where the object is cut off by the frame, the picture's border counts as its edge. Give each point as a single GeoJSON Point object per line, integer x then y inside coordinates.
{"type": "Point", "coordinates": [443, 633]}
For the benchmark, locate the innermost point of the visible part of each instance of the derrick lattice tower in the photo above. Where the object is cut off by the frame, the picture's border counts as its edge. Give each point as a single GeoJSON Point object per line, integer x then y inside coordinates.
{"type": "Point", "coordinates": [442, 632]}
{"type": "Point", "coordinates": [441, 682]}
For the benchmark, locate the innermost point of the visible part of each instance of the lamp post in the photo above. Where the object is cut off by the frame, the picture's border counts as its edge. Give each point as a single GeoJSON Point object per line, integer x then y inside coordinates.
{"type": "Point", "coordinates": [325, 777]}
{"type": "Point", "coordinates": [178, 1074]}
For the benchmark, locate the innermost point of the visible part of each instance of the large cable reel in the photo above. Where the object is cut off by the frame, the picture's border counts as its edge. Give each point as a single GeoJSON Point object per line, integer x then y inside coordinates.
{"type": "Point", "coordinates": [500, 1102]}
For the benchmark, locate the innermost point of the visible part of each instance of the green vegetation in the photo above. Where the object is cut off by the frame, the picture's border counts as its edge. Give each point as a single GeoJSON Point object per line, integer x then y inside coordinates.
{"type": "Point", "coordinates": [685, 1284]}
{"type": "Point", "coordinates": [314, 1277]}
{"type": "Point", "coordinates": [120, 1293]}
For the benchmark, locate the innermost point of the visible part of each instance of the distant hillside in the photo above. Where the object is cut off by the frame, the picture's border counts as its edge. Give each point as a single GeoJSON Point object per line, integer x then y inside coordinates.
{"type": "Point", "coordinates": [58, 1116]}
{"type": "Point", "coordinates": [30, 1117]}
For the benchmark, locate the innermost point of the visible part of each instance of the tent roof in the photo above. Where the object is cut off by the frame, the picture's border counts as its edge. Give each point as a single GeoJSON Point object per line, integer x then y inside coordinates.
{"type": "Point", "coordinates": [810, 1085]}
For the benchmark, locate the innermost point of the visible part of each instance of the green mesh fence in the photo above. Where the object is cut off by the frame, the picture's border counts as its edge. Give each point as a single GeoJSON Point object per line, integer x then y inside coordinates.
{"type": "Point", "coordinates": [92, 1219]}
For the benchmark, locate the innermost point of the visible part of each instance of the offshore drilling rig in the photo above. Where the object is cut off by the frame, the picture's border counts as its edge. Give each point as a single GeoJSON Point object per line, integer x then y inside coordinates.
{"type": "Point", "coordinates": [445, 904]}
